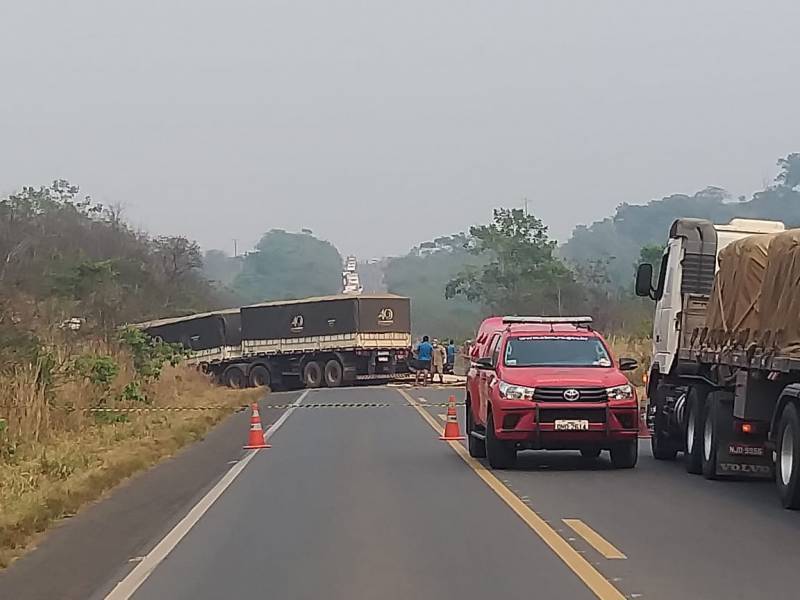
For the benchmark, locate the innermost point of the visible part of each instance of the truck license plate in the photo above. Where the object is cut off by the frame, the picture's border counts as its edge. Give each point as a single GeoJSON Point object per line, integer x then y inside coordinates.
{"type": "Point", "coordinates": [572, 425]}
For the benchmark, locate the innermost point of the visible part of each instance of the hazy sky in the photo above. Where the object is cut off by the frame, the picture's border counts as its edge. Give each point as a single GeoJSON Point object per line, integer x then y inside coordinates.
{"type": "Point", "coordinates": [380, 124]}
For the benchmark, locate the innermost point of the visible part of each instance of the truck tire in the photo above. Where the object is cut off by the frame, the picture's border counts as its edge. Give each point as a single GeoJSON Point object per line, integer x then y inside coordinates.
{"type": "Point", "coordinates": [625, 455]}
{"type": "Point", "coordinates": [260, 376]}
{"type": "Point", "coordinates": [695, 413]}
{"type": "Point", "coordinates": [234, 378]}
{"type": "Point", "coordinates": [476, 446]}
{"type": "Point", "coordinates": [710, 436]}
{"type": "Point", "coordinates": [312, 374]}
{"type": "Point", "coordinates": [787, 463]}
{"type": "Point", "coordinates": [662, 446]}
{"type": "Point", "coordinates": [501, 455]}
{"type": "Point", "coordinates": [590, 452]}
{"type": "Point", "coordinates": [334, 374]}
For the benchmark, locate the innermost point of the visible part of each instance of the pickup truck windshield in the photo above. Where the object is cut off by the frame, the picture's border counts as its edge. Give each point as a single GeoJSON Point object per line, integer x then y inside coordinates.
{"type": "Point", "coordinates": [552, 351]}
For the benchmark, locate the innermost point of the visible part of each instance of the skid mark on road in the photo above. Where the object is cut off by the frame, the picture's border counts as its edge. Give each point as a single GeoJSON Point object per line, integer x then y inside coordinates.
{"type": "Point", "coordinates": [591, 577]}
{"type": "Point", "coordinates": [594, 539]}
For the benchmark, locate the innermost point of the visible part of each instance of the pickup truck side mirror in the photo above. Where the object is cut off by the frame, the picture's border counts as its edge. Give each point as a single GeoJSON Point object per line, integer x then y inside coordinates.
{"type": "Point", "coordinates": [628, 364]}
{"type": "Point", "coordinates": [485, 362]}
{"type": "Point", "coordinates": [644, 280]}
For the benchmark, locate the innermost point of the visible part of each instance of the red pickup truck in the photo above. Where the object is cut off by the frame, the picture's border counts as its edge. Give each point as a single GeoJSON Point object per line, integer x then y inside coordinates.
{"type": "Point", "coordinates": [549, 383]}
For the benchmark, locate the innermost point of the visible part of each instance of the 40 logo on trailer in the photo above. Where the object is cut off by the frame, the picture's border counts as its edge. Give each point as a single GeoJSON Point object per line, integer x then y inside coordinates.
{"type": "Point", "coordinates": [386, 316]}
{"type": "Point", "coordinates": [297, 323]}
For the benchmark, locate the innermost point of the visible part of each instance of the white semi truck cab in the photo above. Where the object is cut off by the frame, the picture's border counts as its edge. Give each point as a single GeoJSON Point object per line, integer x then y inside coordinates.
{"type": "Point", "coordinates": [684, 281]}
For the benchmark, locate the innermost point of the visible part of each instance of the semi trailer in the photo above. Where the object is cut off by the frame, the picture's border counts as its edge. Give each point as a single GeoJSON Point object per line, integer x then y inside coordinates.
{"type": "Point", "coordinates": [314, 342]}
{"type": "Point", "coordinates": [724, 385]}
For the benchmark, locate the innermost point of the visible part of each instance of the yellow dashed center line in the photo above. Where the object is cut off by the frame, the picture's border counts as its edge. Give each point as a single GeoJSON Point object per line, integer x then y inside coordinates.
{"type": "Point", "coordinates": [591, 577]}
{"type": "Point", "coordinates": [594, 539]}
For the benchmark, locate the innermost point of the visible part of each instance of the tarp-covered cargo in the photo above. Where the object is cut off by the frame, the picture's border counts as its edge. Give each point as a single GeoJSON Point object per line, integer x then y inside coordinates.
{"type": "Point", "coordinates": [755, 299]}
{"type": "Point", "coordinates": [327, 322]}
{"type": "Point", "coordinates": [213, 335]}
{"type": "Point", "coordinates": [734, 303]}
{"type": "Point", "coordinates": [780, 297]}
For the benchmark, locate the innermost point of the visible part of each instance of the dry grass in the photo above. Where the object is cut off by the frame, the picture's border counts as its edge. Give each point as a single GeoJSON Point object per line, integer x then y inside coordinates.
{"type": "Point", "coordinates": [629, 347]}
{"type": "Point", "coordinates": [57, 457]}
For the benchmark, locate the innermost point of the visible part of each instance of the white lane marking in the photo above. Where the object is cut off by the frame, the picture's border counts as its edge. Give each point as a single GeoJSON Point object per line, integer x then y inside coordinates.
{"type": "Point", "coordinates": [128, 586]}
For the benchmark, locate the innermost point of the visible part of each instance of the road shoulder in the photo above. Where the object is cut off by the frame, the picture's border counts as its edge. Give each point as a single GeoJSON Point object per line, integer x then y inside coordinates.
{"type": "Point", "coordinates": [80, 553]}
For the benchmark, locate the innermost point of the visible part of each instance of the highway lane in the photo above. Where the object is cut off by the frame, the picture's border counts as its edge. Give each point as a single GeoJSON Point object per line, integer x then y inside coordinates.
{"type": "Point", "coordinates": [683, 536]}
{"type": "Point", "coordinates": [367, 502]}
{"type": "Point", "coordinates": [360, 503]}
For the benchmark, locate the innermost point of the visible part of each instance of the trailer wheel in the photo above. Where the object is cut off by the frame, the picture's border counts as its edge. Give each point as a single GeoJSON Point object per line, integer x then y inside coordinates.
{"type": "Point", "coordinates": [709, 445]}
{"type": "Point", "coordinates": [501, 454]}
{"type": "Point", "coordinates": [312, 374]}
{"type": "Point", "coordinates": [333, 373]}
{"type": "Point", "coordinates": [260, 376]}
{"type": "Point", "coordinates": [625, 455]}
{"type": "Point", "coordinates": [693, 455]}
{"type": "Point", "coordinates": [234, 378]}
{"type": "Point", "coordinates": [787, 465]}
{"type": "Point", "coordinates": [476, 446]}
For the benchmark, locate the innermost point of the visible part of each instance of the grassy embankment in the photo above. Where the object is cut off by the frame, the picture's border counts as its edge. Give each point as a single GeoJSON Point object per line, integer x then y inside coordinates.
{"type": "Point", "coordinates": [56, 456]}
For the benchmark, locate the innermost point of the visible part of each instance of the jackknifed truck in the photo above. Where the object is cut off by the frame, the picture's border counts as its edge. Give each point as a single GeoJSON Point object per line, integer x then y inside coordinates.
{"type": "Point", "coordinates": [323, 341]}
{"type": "Point", "coordinates": [724, 385]}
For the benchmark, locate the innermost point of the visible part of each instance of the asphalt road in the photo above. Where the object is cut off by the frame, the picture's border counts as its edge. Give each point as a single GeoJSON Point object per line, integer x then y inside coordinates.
{"type": "Point", "coordinates": [367, 502]}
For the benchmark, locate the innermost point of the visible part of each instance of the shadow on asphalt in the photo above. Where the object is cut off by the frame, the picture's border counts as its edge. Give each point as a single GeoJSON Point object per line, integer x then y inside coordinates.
{"type": "Point", "coordinates": [543, 460]}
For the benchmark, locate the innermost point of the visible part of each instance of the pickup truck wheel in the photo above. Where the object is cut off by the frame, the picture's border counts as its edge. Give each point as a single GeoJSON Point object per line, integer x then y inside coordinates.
{"type": "Point", "coordinates": [695, 413]}
{"type": "Point", "coordinates": [590, 452]}
{"type": "Point", "coordinates": [312, 374]}
{"type": "Point", "coordinates": [625, 454]}
{"type": "Point", "coordinates": [476, 447]}
{"type": "Point", "coordinates": [501, 455]}
{"type": "Point", "coordinates": [234, 378]}
{"type": "Point", "coordinates": [333, 373]}
{"type": "Point", "coordinates": [709, 437]}
{"type": "Point", "coordinates": [787, 465]}
{"type": "Point", "coordinates": [260, 376]}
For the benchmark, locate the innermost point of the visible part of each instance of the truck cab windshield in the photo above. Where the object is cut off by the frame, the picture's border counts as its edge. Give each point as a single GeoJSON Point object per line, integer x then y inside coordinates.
{"type": "Point", "coordinates": [556, 351]}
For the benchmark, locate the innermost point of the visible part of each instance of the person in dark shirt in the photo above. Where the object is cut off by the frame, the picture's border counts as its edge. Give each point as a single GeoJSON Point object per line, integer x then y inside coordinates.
{"type": "Point", "coordinates": [451, 357]}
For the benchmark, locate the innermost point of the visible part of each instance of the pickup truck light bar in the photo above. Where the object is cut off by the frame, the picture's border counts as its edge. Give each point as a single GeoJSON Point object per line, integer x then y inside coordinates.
{"type": "Point", "coordinates": [548, 320]}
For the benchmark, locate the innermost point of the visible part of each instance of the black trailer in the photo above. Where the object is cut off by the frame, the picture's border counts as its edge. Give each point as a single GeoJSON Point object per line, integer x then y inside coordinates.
{"type": "Point", "coordinates": [211, 338]}
{"type": "Point", "coordinates": [323, 341]}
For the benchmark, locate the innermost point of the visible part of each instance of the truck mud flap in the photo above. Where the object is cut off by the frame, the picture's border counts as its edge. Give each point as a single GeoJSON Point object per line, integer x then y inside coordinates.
{"type": "Point", "coordinates": [740, 455]}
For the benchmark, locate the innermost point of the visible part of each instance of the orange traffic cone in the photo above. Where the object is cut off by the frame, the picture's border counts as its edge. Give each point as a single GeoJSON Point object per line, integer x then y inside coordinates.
{"type": "Point", "coordinates": [255, 441]}
{"type": "Point", "coordinates": [644, 430]}
{"type": "Point", "coordinates": [451, 430]}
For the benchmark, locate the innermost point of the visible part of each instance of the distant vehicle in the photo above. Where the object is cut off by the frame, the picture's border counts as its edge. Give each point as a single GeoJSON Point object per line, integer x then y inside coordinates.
{"type": "Point", "coordinates": [724, 385]}
{"type": "Point", "coordinates": [325, 341]}
{"type": "Point", "coordinates": [549, 383]}
{"type": "Point", "coordinates": [351, 284]}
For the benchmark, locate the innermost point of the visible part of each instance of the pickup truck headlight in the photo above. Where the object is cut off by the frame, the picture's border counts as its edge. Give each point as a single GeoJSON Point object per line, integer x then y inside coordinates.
{"type": "Point", "coordinates": [515, 392]}
{"type": "Point", "coordinates": [620, 392]}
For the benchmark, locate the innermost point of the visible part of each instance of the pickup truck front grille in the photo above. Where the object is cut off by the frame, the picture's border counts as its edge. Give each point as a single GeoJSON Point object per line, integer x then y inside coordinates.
{"type": "Point", "coordinates": [556, 394]}
{"type": "Point", "coordinates": [593, 415]}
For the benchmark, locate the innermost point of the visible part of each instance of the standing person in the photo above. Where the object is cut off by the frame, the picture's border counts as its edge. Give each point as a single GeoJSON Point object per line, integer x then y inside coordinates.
{"type": "Point", "coordinates": [439, 357]}
{"type": "Point", "coordinates": [451, 356]}
{"type": "Point", "coordinates": [424, 356]}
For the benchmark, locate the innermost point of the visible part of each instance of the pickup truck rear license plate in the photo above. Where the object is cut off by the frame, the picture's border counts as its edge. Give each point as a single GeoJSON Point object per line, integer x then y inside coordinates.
{"type": "Point", "coordinates": [572, 425]}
